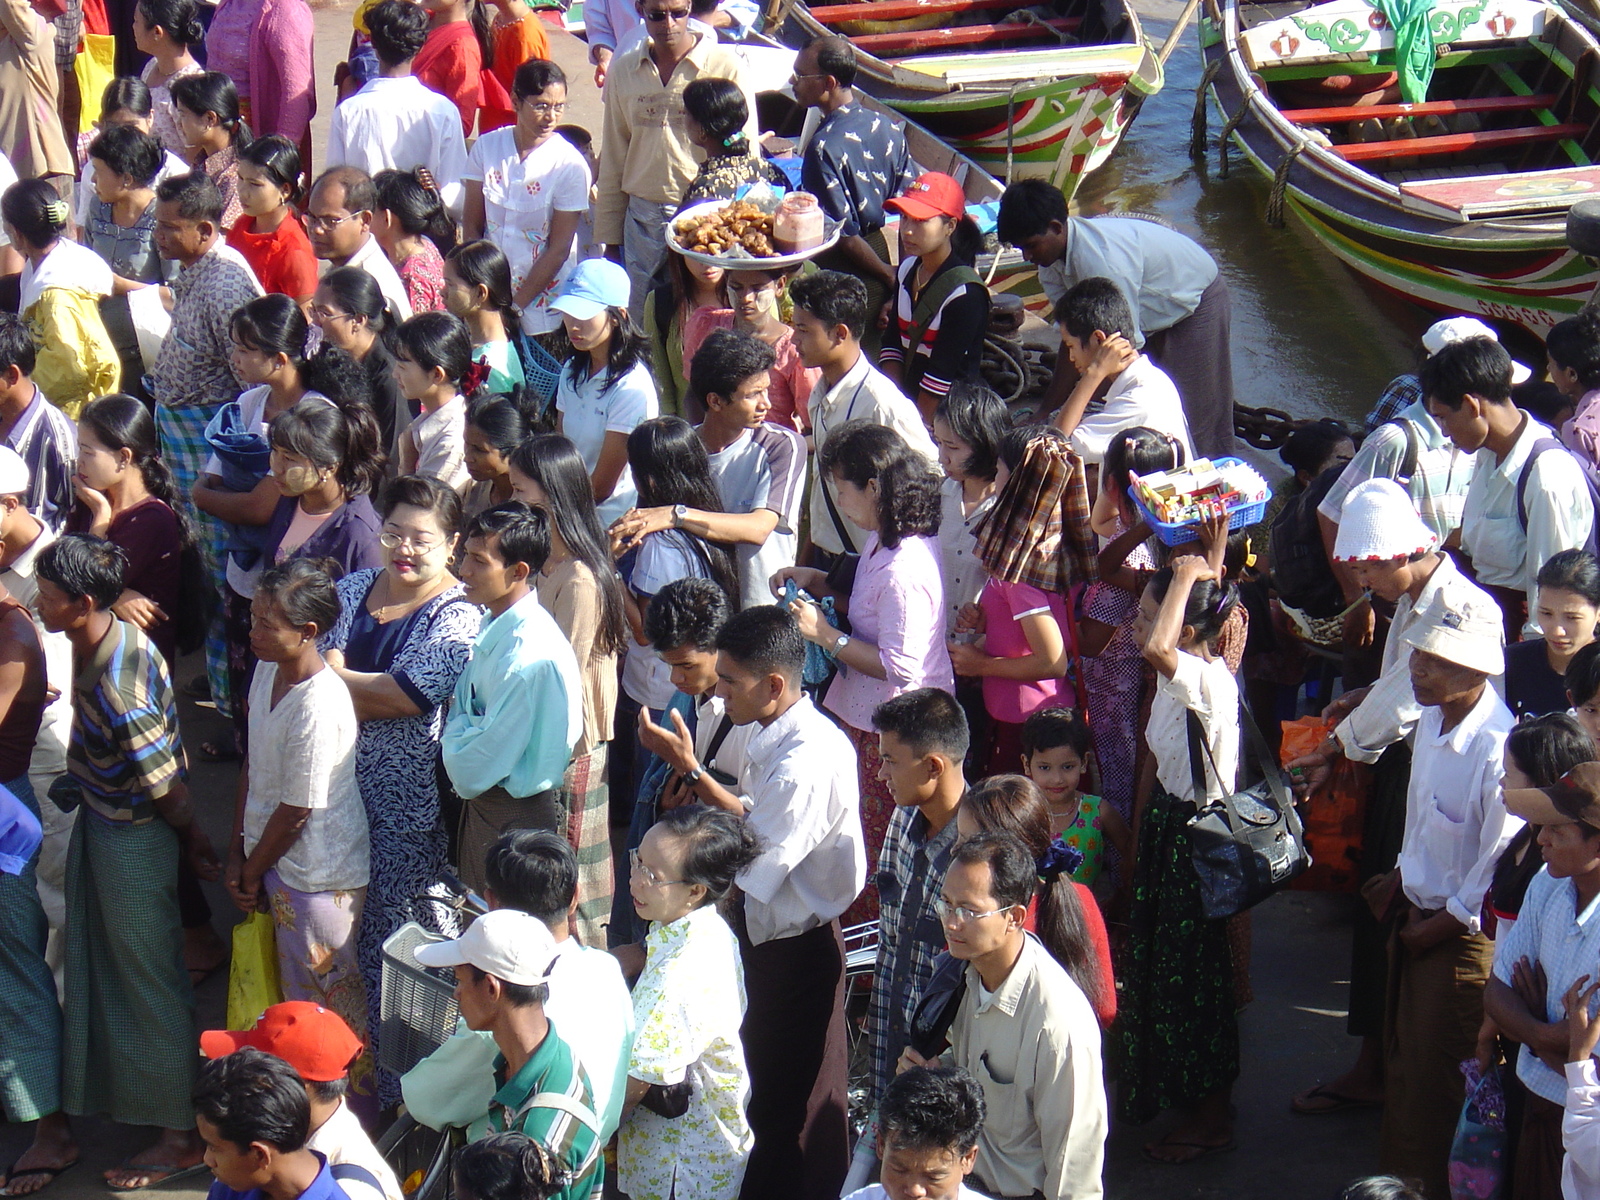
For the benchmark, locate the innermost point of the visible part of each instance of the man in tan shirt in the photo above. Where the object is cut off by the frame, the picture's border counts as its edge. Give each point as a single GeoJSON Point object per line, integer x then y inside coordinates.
{"type": "Point", "coordinates": [648, 160]}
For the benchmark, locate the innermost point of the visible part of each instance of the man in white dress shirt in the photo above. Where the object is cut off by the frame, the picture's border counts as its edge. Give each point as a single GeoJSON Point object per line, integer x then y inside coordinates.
{"type": "Point", "coordinates": [797, 787]}
{"type": "Point", "coordinates": [1529, 498]}
{"type": "Point", "coordinates": [1097, 328]}
{"type": "Point", "coordinates": [396, 121]}
{"type": "Point", "coordinates": [339, 226]}
{"type": "Point", "coordinates": [1456, 827]}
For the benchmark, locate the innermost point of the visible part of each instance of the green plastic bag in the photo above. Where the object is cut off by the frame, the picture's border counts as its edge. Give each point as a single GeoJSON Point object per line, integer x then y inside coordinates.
{"type": "Point", "coordinates": [1414, 52]}
{"type": "Point", "coordinates": [253, 981]}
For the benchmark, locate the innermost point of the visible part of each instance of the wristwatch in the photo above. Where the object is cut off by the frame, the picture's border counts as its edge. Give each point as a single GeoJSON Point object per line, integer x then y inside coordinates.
{"type": "Point", "coordinates": [679, 513]}
{"type": "Point", "coordinates": [694, 776]}
{"type": "Point", "coordinates": [838, 646]}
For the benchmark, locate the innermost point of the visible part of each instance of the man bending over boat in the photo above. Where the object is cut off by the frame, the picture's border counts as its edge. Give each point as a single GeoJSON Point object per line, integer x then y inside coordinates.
{"type": "Point", "coordinates": [1181, 310]}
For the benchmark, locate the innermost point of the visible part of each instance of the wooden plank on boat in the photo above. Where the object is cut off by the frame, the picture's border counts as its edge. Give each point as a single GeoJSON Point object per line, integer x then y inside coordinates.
{"type": "Point", "coordinates": [1454, 143]}
{"type": "Point", "coordinates": [1429, 108]}
{"type": "Point", "coordinates": [1355, 27]}
{"type": "Point", "coordinates": [900, 10]}
{"type": "Point", "coordinates": [964, 35]}
{"type": "Point", "coordinates": [1490, 195]}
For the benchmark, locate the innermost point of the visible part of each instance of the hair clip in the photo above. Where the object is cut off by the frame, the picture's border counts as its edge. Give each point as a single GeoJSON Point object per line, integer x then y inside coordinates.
{"type": "Point", "coordinates": [58, 212]}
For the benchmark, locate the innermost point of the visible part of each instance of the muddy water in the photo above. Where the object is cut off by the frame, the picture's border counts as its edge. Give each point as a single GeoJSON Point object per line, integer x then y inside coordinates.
{"type": "Point", "coordinates": [1308, 336]}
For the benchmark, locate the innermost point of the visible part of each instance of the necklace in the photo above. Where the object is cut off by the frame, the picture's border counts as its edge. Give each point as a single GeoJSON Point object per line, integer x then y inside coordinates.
{"type": "Point", "coordinates": [402, 606]}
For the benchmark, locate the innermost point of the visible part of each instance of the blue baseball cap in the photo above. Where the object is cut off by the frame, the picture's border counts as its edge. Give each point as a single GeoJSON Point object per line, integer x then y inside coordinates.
{"type": "Point", "coordinates": [595, 285]}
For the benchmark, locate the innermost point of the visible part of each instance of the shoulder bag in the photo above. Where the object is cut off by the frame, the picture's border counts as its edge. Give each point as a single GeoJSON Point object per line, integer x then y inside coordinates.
{"type": "Point", "coordinates": [1247, 844]}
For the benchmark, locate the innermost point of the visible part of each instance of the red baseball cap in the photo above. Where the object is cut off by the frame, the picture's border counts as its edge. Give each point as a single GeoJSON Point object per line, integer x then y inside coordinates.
{"type": "Point", "coordinates": [313, 1040]}
{"type": "Point", "coordinates": [932, 195]}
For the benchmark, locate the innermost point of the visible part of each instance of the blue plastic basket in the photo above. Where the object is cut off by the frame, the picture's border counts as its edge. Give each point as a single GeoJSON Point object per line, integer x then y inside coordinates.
{"type": "Point", "coordinates": [540, 370]}
{"type": "Point", "coordinates": [1188, 531]}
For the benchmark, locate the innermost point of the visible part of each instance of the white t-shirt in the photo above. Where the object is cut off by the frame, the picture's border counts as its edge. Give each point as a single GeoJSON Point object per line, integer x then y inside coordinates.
{"type": "Point", "coordinates": [1208, 689]}
{"type": "Point", "coordinates": [521, 195]}
{"type": "Point", "coordinates": [591, 407]}
{"type": "Point", "coordinates": [764, 468]}
{"type": "Point", "coordinates": [1142, 395]}
{"type": "Point", "coordinates": [303, 753]}
{"type": "Point", "coordinates": [662, 557]}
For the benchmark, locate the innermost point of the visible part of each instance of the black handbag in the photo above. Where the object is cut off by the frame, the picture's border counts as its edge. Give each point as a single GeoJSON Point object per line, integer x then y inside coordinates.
{"type": "Point", "coordinates": [1248, 844]}
{"type": "Point", "coordinates": [670, 1100]}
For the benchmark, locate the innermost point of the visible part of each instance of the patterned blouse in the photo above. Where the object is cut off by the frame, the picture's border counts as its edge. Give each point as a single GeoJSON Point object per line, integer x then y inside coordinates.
{"type": "Point", "coordinates": [223, 167]}
{"type": "Point", "coordinates": [423, 275]}
{"type": "Point", "coordinates": [1083, 834]}
{"type": "Point", "coordinates": [688, 1005]}
{"type": "Point", "coordinates": [720, 178]}
{"type": "Point", "coordinates": [131, 251]}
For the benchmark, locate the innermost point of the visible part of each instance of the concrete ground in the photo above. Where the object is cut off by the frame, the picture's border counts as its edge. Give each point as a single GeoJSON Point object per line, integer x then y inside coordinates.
{"type": "Point", "coordinates": [1293, 1033]}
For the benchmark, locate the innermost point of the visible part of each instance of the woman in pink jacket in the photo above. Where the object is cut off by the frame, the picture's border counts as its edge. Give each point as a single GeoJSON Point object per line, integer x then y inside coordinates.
{"type": "Point", "coordinates": [266, 46]}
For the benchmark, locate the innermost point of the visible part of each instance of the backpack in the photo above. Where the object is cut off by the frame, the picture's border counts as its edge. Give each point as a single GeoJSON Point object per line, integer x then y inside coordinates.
{"type": "Point", "coordinates": [1539, 448]}
{"type": "Point", "coordinates": [1301, 572]}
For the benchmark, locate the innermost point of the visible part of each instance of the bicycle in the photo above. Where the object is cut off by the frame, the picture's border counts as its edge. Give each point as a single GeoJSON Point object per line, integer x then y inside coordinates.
{"type": "Point", "coordinates": [860, 962]}
{"type": "Point", "coordinates": [417, 1015]}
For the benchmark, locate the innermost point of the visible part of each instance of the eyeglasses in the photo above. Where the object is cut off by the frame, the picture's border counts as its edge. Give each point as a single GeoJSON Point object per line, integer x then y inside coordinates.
{"type": "Point", "coordinates": [959, 914]}
{"type": "Point", "coordinates": [313, 221]}
{"type": "Point", "coordinates": [393, 541]}
{"type": "Point", "coordinates": [646, 874]}
{"type": "Point", "coordinates": [547, 110]}
{"type": "Point", "coordinates": [318, 313]}
{"type": "Point", "coordinates": [666, 14]}
{"type": "Point", "coordinates": [808, 75]}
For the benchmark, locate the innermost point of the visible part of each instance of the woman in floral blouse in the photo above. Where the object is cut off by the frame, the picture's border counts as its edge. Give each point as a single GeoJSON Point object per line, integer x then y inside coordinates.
{"type": "Point", "coordinates": [688, 1005]}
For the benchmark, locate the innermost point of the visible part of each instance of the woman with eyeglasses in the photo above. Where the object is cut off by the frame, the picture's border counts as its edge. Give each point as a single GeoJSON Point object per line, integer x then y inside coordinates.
{"type": "Point", "coordinates": [526, 189]}
{"type": "Point", "coordinates": [688, 1005]}
{"type": "Point", "coordinates": [350, 309]}
{"type": "Point", "coordinates": [404, 635]}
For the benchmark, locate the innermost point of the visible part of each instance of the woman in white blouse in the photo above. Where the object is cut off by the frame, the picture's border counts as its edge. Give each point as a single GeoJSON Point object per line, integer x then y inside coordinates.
{"type": "Point", "coordinates": [688, 1005]}
{"type": "Point", "coordinates": [300, 848]}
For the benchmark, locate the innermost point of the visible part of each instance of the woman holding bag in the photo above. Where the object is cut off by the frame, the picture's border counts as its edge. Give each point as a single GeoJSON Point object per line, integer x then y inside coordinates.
{"type": "Point", "coordinates": [300, 847]}
{"type": "Point", "coordinates": [1179, 1034]}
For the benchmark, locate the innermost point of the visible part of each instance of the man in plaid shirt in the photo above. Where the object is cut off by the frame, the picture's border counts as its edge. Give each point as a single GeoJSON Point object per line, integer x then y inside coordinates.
{"type": "Point", "coordinates": [922, 738]}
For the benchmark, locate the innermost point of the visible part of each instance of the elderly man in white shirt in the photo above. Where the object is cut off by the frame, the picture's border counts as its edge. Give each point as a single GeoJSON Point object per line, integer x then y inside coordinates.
{"type": "Point", "coordinates": [1529, 498]}
{"type": "Point", "coordinates": [1456, 826]}
{"type": "Point", "coordinates": [396, 121]}
{"type": "Point", "coordinates": [339, 227]}
{"type": "Point", "coordinates": [797, 788]}
{"type": "Point", "coordinates": [1389, 550]}
{"type": "Point", "coordinates": [536, 872]}
{"type": "Point", "coordinates": [1024, 1030]}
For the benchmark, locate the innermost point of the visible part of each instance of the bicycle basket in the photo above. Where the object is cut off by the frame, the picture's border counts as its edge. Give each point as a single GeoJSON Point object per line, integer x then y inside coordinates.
{"type": "Point", "coordinates": [417, 1013]}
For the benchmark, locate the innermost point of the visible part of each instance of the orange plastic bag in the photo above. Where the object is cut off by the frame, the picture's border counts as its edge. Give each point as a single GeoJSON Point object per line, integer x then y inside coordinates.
{"type": "Point", "coordinates": [1332, 814]}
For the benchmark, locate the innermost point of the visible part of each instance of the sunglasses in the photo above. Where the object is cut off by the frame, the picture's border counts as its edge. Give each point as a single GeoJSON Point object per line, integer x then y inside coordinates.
{"type": "Point", "coordinates": [666, 14]}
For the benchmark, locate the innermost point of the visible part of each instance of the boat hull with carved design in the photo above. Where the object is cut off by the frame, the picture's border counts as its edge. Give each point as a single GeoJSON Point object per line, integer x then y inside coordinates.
{"type": "Point", "coordinates": [1016, 109]}
{"type": "Point", "coordinates": [1456, 199]}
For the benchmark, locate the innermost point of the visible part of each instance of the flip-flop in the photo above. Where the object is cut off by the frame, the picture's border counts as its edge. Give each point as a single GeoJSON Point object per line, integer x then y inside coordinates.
{"type": "Point", "coordinates": [50, 1174]}
{"type": "Point", "coordinates": [163, 1172]}
{"type": "Point", "coordinates": [1206, 1150]}
{"type": "Point", "coordinates": [1338, 1102]}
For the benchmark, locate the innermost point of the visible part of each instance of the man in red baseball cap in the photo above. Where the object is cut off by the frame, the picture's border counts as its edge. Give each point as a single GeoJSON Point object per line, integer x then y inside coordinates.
{"type": "Point", "coordinates": [317, 1043]}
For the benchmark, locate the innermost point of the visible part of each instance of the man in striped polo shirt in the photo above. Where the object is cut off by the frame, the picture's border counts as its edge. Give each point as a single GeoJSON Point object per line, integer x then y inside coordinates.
{"type": "Point", "coordinates": [502, 965]}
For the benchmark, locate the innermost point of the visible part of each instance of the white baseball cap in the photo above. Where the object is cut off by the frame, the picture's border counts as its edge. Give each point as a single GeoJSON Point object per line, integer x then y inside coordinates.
{"type": "Point", "coordinates": [505, 943]}
{"type": "Point", "coordinates": [1458, 329]}
{"type": "Point", "coordinates": [14, 477]}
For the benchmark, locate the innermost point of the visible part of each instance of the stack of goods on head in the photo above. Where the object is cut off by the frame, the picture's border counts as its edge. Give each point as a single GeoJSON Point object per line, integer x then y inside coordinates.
{"type": "Point", "coordinates": [1175, 502]}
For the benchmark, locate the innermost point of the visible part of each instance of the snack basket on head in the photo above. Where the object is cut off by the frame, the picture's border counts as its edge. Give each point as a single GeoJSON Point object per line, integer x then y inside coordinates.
{"type": "Point", "coordinates": [760, 231]}
{"type": "Point", "coordinates": [1173, 503]}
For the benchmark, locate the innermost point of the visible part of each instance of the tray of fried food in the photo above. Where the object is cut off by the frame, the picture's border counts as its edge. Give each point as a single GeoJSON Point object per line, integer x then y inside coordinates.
{"type": "Point", "coordinates": [723, 233]}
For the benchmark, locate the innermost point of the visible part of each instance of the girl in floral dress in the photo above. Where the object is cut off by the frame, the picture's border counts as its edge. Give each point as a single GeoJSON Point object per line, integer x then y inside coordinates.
{"type": "Point", "coordinates": [688, 1006]}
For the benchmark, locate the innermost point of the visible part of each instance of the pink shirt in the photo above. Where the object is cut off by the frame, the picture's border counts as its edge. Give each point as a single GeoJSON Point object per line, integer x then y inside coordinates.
{"type": "Point", "coordinates": [791, 380]}
{"type": "Point", "coordinates": [1004, 605]}
{"type": "Point", "coordinates": [897, 604]}
{"type": "Point", "coordinates": [1581, 433]}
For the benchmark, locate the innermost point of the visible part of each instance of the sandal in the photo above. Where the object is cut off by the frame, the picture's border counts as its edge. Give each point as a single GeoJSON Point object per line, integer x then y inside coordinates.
{"type": "Point", "coordinates": [155, 1173]}
{"type": "Point", "coordinates": [1201, 1150]}
{"type": "Point", "coordinates": [218, 752]}
{"type": "Point", "coordinates": [1335, 1102]}
{"type": "Point", "coordinates": [49, 1173]}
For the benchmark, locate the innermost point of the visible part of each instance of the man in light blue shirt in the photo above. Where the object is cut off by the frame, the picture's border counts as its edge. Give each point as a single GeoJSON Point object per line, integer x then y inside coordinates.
{"type": "Point", "coordinates": [517, 709]}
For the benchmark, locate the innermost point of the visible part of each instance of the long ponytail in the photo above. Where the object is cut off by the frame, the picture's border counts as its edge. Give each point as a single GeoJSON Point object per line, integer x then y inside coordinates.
{"type": "Point", "coordinates": [120, 422]}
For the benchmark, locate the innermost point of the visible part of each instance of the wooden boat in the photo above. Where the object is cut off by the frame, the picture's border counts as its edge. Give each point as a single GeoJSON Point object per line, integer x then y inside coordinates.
{"type": "Point", "coordinates": [1044, 92]}
{"type": "Point", "coordinates": [1457, 201]}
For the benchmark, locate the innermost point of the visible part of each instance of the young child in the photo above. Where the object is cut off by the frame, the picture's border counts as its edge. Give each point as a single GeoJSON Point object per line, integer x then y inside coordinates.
{"type": "Point", "coordinates": [1055, 752]}
{"type": "Point", "coordinates": [1583, 688]}
{"type": "Point", "coordinates": [434, 368]}
{"type": "Point", "coordinates": [928, 1124]}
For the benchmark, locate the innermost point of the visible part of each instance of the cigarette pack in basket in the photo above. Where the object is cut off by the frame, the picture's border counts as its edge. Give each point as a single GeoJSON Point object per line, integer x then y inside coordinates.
{"type": "Point", "coordinates": [1174, 502]}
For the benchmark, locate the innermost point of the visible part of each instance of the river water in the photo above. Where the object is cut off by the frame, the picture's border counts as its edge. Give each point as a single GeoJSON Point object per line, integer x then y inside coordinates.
{"type": "Point", "coordinates": [1309, 336]}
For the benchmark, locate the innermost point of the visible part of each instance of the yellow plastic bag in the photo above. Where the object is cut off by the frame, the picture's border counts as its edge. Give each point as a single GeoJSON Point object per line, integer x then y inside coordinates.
{"type": "Point", "coordinates": [253, 981]}
{"type": "Point", "coordinates": [95, 66]}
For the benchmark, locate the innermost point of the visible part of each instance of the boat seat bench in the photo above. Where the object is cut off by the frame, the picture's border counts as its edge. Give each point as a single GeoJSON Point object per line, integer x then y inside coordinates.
{"type": "Point", "coordinates": [925, 40]}
{"type": "Point", "coordinates": [1426, 108]}
{"type": "Point", "coordinates": [900, 10]}
{"type": "Point", "coordinates": [1453, 143]}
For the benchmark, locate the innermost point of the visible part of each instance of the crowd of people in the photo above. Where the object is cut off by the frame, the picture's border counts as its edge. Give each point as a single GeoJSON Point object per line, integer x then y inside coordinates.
{"type": "Point", "coordinates": [690, 616]}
